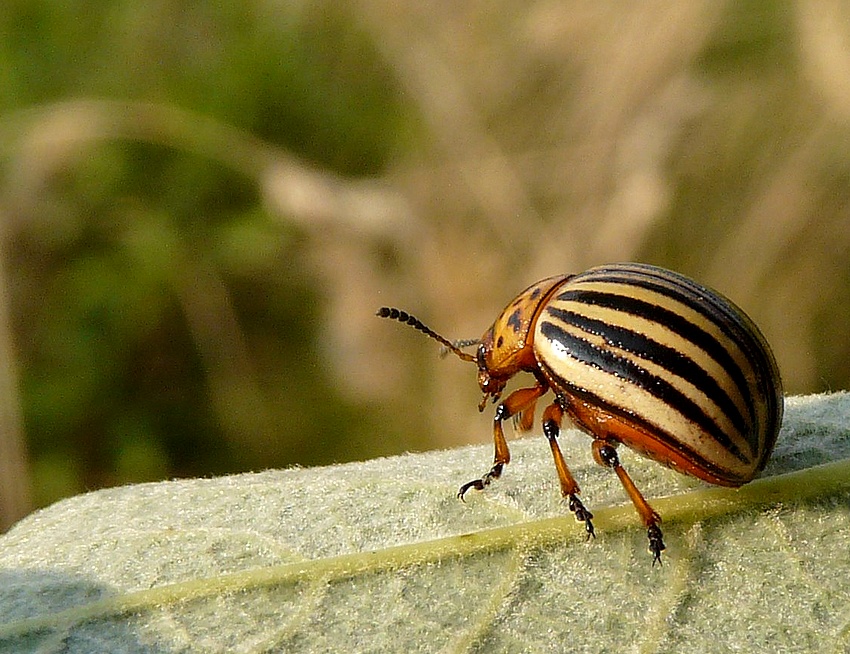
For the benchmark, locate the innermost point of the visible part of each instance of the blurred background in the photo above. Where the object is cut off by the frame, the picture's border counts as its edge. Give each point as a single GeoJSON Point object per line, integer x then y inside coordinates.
{"type": "Point", "coordinates": [203, 204]}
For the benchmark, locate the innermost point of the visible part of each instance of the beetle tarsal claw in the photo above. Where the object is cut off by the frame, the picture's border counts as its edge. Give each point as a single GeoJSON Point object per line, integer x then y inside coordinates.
{"type": "Point", "coordinates": [656, 543]}
{"type": "Point", "coordinates": [582, 515]}
{"type": "Point", "coordinates": [483, 482]}
{"type": "Point", "coordinates": [477, 484]}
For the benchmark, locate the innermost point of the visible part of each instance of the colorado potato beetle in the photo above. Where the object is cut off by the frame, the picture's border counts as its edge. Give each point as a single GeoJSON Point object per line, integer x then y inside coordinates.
{"type": "Point", "coordinates": [638, 355]}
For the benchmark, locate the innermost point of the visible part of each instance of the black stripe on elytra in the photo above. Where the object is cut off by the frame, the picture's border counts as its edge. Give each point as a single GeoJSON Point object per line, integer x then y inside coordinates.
{"type": "Point", "coordinates": [613, 364]}
{"type": "Point", "coordinates": [734, 324]}
{"type": "Point", "coordinates": [669, 440]}
{"type": "Point", "coordinates": [662, 281]}
{"type": "Point", "coordinates": [665, 356]}
{"type": "Point", "coordinates": [677, 324]}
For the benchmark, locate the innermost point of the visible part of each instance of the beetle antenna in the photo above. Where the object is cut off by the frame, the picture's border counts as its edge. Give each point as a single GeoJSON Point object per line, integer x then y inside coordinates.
{"type": "Point", "coordinates": [404, 317]}
{"type": "Point", "coordinates": [461, 343]}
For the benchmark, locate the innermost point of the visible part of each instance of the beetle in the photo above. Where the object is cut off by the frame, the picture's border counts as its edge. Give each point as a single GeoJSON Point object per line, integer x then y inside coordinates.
{"type": "Point", "coordinates": [636, 355]}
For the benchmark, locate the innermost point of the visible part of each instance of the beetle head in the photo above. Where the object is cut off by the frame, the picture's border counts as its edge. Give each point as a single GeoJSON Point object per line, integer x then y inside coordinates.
{"type": "Point", "coordinates": [491, 384]}
{"type": "Point", "coordinates": [506, 348]}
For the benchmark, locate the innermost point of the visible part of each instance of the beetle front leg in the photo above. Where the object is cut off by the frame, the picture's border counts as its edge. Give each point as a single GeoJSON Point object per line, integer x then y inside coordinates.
{"type": "Point", "coordinates": [553, 416]}
{"type": "Point", "coordinates": [519, 401]}
{"type": "Point", "coordinates": [605, 454]}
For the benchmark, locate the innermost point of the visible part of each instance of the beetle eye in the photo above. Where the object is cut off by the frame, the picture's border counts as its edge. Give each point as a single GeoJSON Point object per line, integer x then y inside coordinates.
{"type": "Point", "coordinates": [481, 357]}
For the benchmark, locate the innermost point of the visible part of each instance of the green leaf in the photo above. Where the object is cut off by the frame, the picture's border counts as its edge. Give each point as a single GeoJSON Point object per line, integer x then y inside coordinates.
{"type": "Point", "coordinates": [380, 556]}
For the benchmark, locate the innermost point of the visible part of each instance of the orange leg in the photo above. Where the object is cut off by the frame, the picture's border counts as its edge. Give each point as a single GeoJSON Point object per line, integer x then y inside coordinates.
{"type": "Point", "coordinates": [519, 402]}
{"type": "Point", "coordinates": [524, 420]}
{"type": "Point", "coordinates": [605, 454]}
{"type": "Point", "coordinates": [553, 416]}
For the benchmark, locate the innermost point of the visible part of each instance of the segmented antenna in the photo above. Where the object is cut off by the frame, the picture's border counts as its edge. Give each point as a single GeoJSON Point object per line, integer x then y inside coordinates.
{"type": "Point", "coordinates": [461, 343]}
{"type": "Point", "coordinates": [404, 317]}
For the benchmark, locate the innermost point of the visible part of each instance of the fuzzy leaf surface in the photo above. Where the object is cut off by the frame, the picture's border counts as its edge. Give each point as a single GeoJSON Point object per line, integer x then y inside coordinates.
{"type": "Point", "coordinates": [380, 556]}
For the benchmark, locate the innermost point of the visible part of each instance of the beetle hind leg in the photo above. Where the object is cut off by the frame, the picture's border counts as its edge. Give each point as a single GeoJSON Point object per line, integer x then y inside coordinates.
{"type": "Point", "coordinates": [605, 454]}
{"type": "Point", "coordinates": [552, 419]}
{"type": "Point", "coordinates": [519, 403]}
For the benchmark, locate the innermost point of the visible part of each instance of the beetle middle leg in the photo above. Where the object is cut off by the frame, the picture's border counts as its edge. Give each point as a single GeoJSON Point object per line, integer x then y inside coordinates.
{"type": "Point", "coordinates": [605, 454]}
{"type": "Point", "coordinates": [553, 416]}
{"type": "Point", "coordinates": [519, 402]}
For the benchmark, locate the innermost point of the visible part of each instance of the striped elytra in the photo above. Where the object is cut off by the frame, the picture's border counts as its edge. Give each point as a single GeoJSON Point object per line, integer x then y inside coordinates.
{"type": "Point", "coordinates": [673, 359]}
{"type": "Point", "coordinates": [635, 355]}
